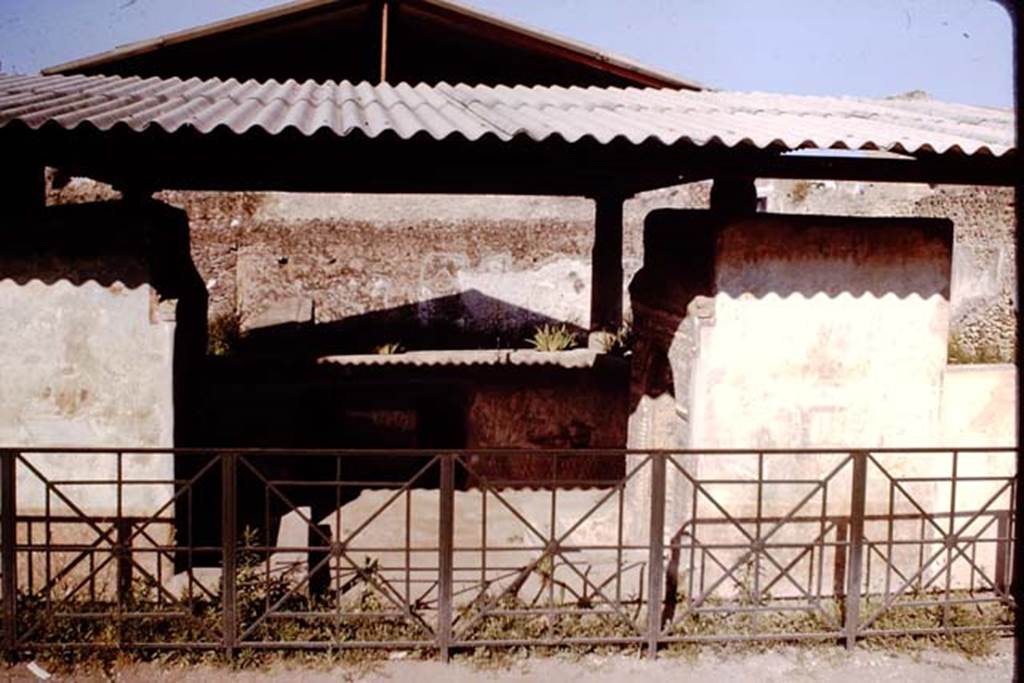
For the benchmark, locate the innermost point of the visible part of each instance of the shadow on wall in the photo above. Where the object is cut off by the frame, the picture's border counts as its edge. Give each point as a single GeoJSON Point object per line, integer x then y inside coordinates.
{"type": "Point", "coordinates": [468, 320]}
{"type": "Point", "coordinates": [274, 390]}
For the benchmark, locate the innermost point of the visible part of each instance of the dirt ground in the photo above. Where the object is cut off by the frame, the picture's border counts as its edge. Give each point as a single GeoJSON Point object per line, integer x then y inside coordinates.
{"type": "Point", "coordinates": [787, 664]}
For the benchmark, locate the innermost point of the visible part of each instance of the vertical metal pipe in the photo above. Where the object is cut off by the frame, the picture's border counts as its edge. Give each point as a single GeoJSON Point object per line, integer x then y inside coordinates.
{"type": "Point", "coordinates": [856, 555]}
{"type": "Point", "coordinates": [229, 539]}
{"type": "Point", "coordinates": [656, 562]}
{"type": "Point", "coordinates": [8, 539]}
{"type": "Point", "coordinates": [446, 539]}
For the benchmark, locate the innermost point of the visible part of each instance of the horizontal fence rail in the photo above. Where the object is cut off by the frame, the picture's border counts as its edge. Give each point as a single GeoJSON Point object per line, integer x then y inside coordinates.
{"type": "Point", "coordinates": [250, 549]}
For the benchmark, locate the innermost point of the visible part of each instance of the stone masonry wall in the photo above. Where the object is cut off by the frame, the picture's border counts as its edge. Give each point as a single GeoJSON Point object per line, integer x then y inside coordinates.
{"type": "Point", "coordinates": [483, 271]}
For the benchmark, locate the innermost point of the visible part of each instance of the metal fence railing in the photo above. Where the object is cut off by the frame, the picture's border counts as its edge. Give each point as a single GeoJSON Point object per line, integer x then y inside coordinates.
{"type": "Point", "coordinates": [328, 549]}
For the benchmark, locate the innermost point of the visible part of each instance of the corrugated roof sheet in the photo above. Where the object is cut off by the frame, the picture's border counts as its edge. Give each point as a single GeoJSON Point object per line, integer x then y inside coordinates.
{"type": "Point", "coordinates": [780, 122]}
{"type": "Point", "coordinates": [571, 359]}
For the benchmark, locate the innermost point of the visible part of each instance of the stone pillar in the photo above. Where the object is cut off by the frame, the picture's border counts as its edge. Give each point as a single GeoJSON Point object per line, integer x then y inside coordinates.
{"type": "Point", "coordinates": [606, 271]}
{"type": "Point", "coordinates": [670, 303]}
{"type": "Point", "coordinates": [775, 332]}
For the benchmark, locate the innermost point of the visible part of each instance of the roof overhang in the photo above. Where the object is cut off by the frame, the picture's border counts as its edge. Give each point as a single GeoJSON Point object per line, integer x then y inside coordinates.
{"type": "Point", "coordinates": [337, 137]}
{"type": "Point", "coordinates": [281, 42]}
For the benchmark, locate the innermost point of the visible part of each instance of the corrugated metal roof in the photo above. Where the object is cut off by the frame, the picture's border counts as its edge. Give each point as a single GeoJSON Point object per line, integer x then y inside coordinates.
{"type": "Point", "coordinates": [571, 359]}
{"type": "Point", "coordinates": [780, 122]}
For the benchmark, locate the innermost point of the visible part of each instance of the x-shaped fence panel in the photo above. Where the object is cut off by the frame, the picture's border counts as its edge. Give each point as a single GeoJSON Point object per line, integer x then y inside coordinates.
{"type": "Point", "coordinates": [93, 556]}
{"type": "Point", "coordinates": [544, 560]}
{"type": "Point", "coordinates": [318, 549]}
{"type": "Point", "coordinates": [937, 538]}
{"type": "Point", "coordinates": [351, 574]}
{"type": "Point", "coordinates": [756, 551]}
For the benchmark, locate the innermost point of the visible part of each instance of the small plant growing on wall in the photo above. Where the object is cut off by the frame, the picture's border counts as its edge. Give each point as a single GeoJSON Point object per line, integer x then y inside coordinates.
{"type": "Point", "coordinates": [552, 338]}
{"type": "Point", "coordinates": [621, 343]}
{"type": "Point", "coordinates": [224, 334]}
{"type": "Point", "coordinates": [962, 352]}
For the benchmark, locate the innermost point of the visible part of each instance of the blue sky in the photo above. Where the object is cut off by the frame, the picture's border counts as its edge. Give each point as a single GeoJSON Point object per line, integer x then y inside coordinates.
{"type": "Point", "coordinates": [956, 50]}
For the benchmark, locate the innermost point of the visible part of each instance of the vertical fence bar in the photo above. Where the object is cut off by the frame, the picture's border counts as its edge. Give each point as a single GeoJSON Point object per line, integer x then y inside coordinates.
{"type": "Point", "coordinates": [229, 539]}
{"type": "Point", "coordinates": [122, 549]}
{"type": "Point", "coordinates": [839, 562]}
{"type": "Point", "coordinates": [8, 533]}
{"type": "Point", "coordinates": [856, 555]}
{"type": "Point", "coordinates": [1002, 550]}
{"type": "Point", "coordinates": [656, 563]}
{"type": "Point", "coordinates": [445, 560]}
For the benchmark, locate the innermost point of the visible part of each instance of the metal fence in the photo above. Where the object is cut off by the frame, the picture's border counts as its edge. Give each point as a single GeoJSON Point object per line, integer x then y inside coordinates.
{"type": "Point", "coordinates": [288, 549]}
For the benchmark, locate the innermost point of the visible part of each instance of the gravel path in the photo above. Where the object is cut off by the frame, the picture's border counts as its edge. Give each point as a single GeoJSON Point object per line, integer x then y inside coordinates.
{"type": "Point", "coordinates": [784, 664]}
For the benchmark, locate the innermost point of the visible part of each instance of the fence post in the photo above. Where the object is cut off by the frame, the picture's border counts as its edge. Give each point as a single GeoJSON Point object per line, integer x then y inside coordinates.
{"type": "Point", "coordinates": [856, 554]}
{"type": "Point", "coordinates": [1002, 550]}
{"type": "Point", "coordinates": [839, 567]}
{"type": "Point", "coordinates": [229, 540]}
{"type": "Point", "coordinates": [656, 560]}
{"type": "Point", "coordinates": [445, 561]}
{"type": "Point", "coordinates": [8, 539]}
{"type": "Point", "coordinates": [123, 551]}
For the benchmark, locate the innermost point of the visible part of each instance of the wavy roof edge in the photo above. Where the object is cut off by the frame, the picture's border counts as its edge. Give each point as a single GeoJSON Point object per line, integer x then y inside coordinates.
{"type": "Point", "coordinates": [583, 49]}
{"type": "Point", "coordinates": [538, 113]}
{"type": "Point", "coordinates": [573, 359]}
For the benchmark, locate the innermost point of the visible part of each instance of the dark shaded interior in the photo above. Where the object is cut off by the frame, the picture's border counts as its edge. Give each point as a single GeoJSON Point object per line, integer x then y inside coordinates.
{"type": "Point", "coordinates": [343, 41]}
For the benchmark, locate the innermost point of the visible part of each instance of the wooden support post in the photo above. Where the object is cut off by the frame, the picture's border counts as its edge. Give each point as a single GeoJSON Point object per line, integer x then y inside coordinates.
{"type": "Point", "coordinates": [606, 271]}
{"type": "Point", "coordinates": [384, 41]}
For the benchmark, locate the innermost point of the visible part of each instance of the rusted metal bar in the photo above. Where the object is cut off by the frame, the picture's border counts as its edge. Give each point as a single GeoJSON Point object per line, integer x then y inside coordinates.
{"type": "Point", "coordinates": [856, 556]}
{"type": "Point", "coordinates": [1002, 550]}
{"type": "Point", "coordinates": [123, 552]}
{"type": "Point", "coordinates": [8, 539]}
{"type": "Point", "coordinates": [320, 550]}
{"type": "Point", "coordinates": [445, 556]}
{"type": "Point", "coordinates": [229, 541]}
{"type": "Point", "coordinates": [433, 588]}
{"type": "Point", "coordinates": [655, 576]}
